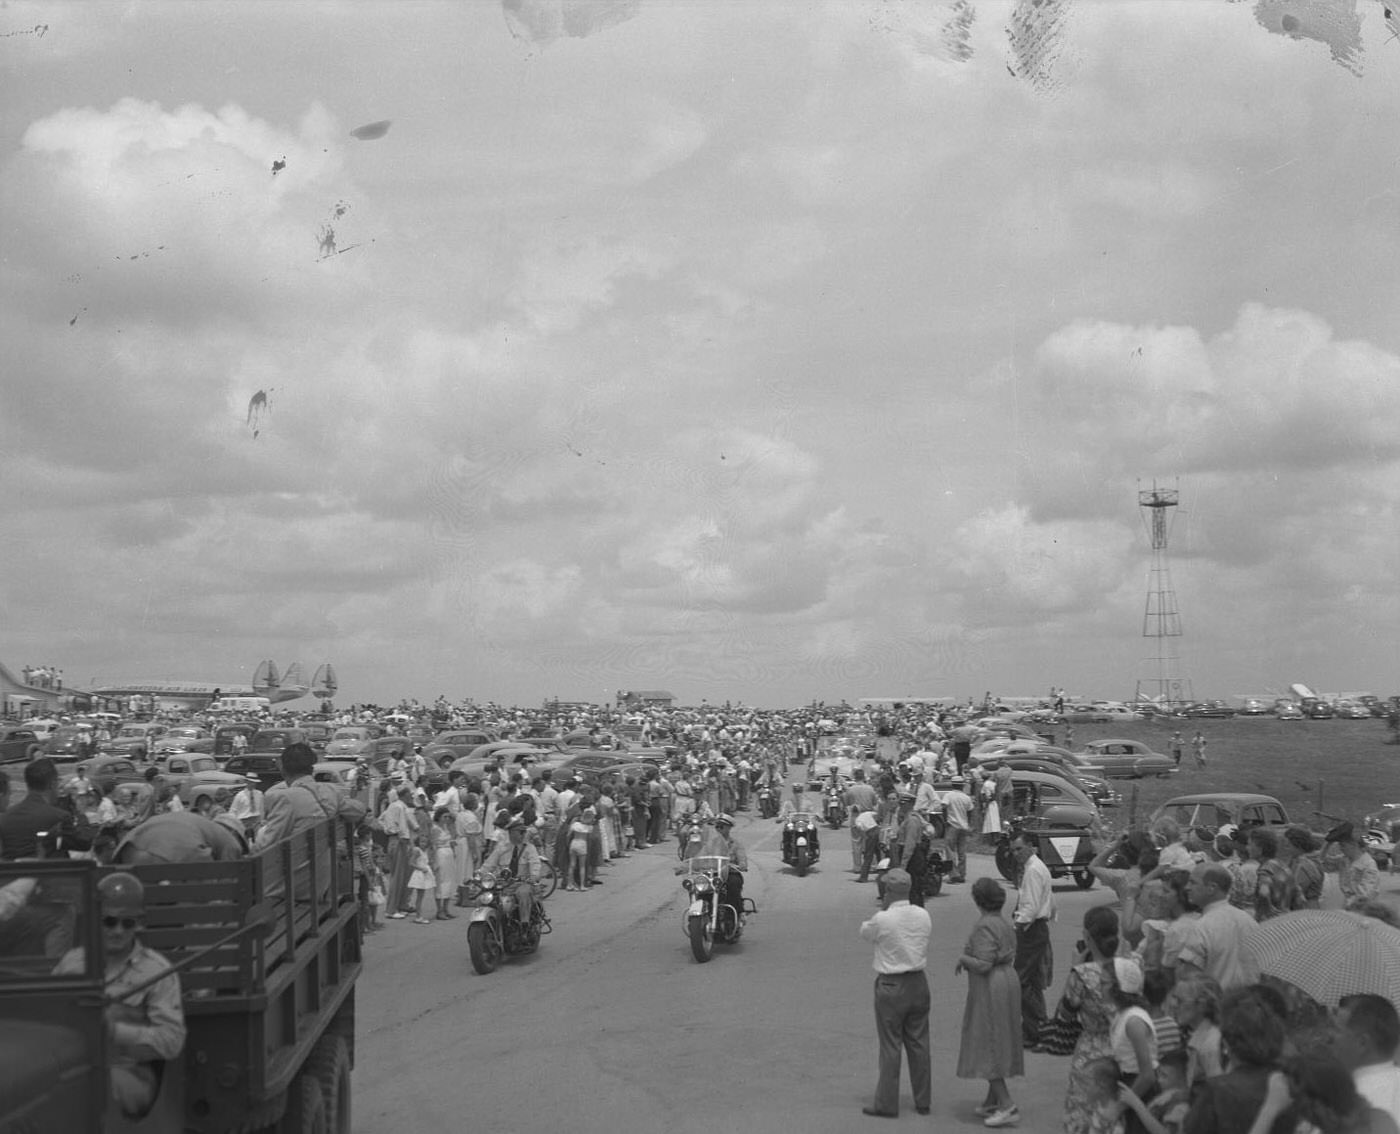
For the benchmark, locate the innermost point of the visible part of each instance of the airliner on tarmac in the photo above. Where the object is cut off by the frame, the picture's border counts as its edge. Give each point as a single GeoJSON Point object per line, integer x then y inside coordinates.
{"type": "Point", "coordinates": [267, 682]}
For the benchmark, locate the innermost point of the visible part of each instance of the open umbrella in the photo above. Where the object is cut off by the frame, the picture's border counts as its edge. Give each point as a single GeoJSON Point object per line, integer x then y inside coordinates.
{"type": "Point", "coordinates": [1329, 954]}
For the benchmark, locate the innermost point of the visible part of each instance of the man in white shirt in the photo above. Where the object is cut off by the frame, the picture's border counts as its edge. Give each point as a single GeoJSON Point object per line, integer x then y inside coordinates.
{"type": "Point", "coordinates": [1035, 909]}
{"type": "Point", "coordinates": [957, 812]}
{"type": "Point", "coordinates": [247, 808]}
{"type": "Point", "coordinates": [900, 934]}
{"type": "Point", "coordinates": [1214, 943]}
{"type": "Point", "coordinates": [1367, 1038]}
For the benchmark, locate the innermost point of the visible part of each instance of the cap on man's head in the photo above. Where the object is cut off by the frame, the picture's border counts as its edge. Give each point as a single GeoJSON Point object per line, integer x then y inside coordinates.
{"type": "Point", "coordinates": [898, 880]}
{"type": "Point", "coordinates": [1343, 832]}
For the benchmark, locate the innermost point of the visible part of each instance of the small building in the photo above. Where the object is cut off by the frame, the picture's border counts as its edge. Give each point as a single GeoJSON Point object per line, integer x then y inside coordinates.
{"type": "Point", "coordinates": [645, 699]}
{"type": "Point", "coordinates": [23, 700]}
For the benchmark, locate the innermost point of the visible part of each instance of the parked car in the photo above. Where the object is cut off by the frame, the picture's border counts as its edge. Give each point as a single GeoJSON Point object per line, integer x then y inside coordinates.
{"type": "Point", "coordinates": [1091, 782]}
{"type": "Point", "coordinates": [1351, 711]}
{"type": "Point", "coordinates": [112, 770]}
{"type": "Point", "coordinates": [272, 740]}
{"type": "Point", "coordinates": [18, 744]}
{"type": "Point", "coordinates": [1216, 709]}
{"type": "Point", "coordinates": [590, 767]}
{"type": "Point", "coordinates": [223, 737]}
{"type": "Point", "coordinates": [353, 741]}
{"type": "Point", "coordinates": [184, 738]}
{"type": "Point", "coordinates": [458, 741]}
{"type": "Point", "coordinates": [1215, 809]}
{"type": "Point", "coordinates": [1318, 710]}
{"type": "Point", "coordinates": [532, 760]}
{"type": "Point", "coordinates": [1287, 711]}
{"type": "Point", "coordinates": [135, 739]}
{"type": "Point", "coordinates": [68, 742]}
{"type": "Point", "coordinates": [1121, 759]}
{"type": "Point", "coordinates": [263, 768]}
{"type": "Point", "coordinates": [198, 776]}
{"type": "Point", "coordinates": [1253, 708]}
{"type": "Point", "coordinates": [1086, 714]}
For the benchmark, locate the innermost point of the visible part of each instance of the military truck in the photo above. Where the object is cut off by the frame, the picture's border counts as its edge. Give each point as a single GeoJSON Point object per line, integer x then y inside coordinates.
{"type": "Point", "coordinates": [268, 952]}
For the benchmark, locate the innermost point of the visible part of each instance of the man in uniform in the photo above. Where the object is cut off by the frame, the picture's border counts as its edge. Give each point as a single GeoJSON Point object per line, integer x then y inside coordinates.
{"type": "Point", "coordinates": [149, 1024]}
{"type": "Point", "coordinates": [522, 860]}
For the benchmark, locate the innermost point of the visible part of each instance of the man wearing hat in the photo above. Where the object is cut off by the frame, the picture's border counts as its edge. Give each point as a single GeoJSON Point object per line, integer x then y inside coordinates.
{"type": "Point", "coordinates": [522, 860]}
{"type": "Point", "coordinates": [908, 851]}
{"type": "Point", "coordinates": [900, 933]}
{"type": "Point", "coordinates": [145, 1025]}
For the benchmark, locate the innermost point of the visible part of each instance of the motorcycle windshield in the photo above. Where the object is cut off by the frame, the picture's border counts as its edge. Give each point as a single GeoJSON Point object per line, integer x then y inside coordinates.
{"type": "Point", "coordinates": [709, 864]}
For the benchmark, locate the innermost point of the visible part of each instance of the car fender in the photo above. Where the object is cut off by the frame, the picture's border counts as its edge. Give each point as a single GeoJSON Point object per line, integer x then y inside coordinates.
{"type": "Point", "coordinates": [696, 909]}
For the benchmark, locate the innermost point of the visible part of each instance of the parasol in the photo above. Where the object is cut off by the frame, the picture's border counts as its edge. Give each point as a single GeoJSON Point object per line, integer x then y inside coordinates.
{"type": "Point", "coordinates": [1329, 954]}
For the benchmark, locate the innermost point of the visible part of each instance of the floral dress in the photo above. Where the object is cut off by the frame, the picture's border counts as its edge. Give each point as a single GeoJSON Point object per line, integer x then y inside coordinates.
{"type": "Point", "coordinates": [1086, 993]}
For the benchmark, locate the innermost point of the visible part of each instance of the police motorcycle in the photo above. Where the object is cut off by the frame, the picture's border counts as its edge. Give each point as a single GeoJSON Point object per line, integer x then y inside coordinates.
{"type": "Point", "coordinates": [833, 807]}
{"type": "Point", "coordinates": [495, 929]}
{"type": "Point", "coordinates": [767, 801]}
{"type": "Point", "coordinates": [689, 835]}
{"type": "Point", "coordinates": [708, 919]}
{"type": "Point", "coordinates": [801, 847]}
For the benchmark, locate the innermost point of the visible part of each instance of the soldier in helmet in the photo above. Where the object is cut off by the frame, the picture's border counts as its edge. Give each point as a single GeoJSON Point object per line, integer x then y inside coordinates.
{"type": "Point", "coordinates": [147, 1025]}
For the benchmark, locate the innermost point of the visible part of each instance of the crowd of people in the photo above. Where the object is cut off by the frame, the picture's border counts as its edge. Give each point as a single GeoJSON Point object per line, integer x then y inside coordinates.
{"type": "Point", "coordinates": [1164, 1026]}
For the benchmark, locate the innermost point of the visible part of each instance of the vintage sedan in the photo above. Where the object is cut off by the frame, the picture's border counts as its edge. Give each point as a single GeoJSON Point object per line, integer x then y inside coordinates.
{"type": "Point", "coordinates": [1086, 714]}
{"type": "Point", "coordinates": [532, 761]}
{"type": "Point", "coordinates": [458, 741]}
{"type": "Point", "coordinates": [1288, 711]}
{"type": "Point", "coordinates": [353, 740]}
{"type": "Point", "coordinates": [1120, 759]}
{"type": "Point", "coordinates": [135, 739]}
{"type": "Point", "coordinates": [184, 738]}
{"type": "Point", "coordinates": [1090, 781]}
{"type": "Point", "coordinates": [1214, 810]}
{"type": "Point", "coordinates": [69, 742]}
{"type": "Point", "coordinates": [1212, 709]}
{"type": "Point", "coordinates": [18, 744]}
{"type": "Point", "coordinates": [112, 770]}
{"type": "Point", "coordinates": [198, 776]}
{"type": "Point", "coordinates": [263, 768]}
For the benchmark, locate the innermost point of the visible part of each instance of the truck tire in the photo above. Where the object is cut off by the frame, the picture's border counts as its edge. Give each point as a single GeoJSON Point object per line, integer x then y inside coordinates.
{"type": "Point", "coordinates": [306, 1108]}
{"type": "Point", "coordinates": [329, 1063]}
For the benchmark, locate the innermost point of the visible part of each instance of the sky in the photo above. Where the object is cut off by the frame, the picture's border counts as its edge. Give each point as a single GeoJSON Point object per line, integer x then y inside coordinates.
{"type": "Point", "coordinates": [762, 351]}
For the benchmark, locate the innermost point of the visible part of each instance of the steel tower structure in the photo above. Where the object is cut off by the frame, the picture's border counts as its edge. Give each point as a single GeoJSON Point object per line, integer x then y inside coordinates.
{"type": "Point", "coordinates": [1161, 621]}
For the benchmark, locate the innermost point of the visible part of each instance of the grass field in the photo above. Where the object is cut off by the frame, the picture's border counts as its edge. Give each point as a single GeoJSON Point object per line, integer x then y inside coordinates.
{"type": "Point", "coordinates": [1343, 768]}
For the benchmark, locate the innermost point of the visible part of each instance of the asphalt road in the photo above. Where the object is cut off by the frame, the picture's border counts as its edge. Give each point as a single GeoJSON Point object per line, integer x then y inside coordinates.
{"type": "Point", "coordinates": [612, 1026]}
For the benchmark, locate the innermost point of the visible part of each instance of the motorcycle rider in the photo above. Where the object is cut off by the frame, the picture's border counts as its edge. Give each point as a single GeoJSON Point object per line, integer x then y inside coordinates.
{"type": "Point", "coordinates": [523, 862]}
{"type": "Point", "coordinates": [719, 840]}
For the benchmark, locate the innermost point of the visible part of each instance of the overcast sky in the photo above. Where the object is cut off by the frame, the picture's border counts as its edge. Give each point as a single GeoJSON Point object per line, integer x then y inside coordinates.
{"type": "Point", "coordinates": [752, 350]}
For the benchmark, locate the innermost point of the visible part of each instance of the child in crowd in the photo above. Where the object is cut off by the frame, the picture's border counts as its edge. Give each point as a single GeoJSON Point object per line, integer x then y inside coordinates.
{"type": "Point", "coordinates": [421, 880]}
{"type": "Point", "coordinates": [1156, 985]}
{"type": "Point", "coordinates": [1197, 1009]}
{"type": "Point", "coordinates": [444, 861]}
{"type": "Point", "coordinates": [579, 831]}
{"type": "Point", "coordinates": [371, 878]}
{"type": "Point", "coordinates": [1166, 1113]}
{"type": "Point", "coordinates": [1101, 1075]}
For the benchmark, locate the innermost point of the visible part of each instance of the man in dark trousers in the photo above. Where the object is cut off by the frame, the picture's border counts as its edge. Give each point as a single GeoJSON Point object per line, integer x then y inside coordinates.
{"type": "Point", "coordinates": [1035, 909]}
{"type": "Point", "coordinates": [38, 813]}
{"type": "Point", "coordinates": [900, 934]}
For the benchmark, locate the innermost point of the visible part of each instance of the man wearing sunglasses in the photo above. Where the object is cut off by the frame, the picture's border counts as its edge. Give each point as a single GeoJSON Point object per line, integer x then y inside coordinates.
{"type": "Point", "coordinates": [144, 1026]}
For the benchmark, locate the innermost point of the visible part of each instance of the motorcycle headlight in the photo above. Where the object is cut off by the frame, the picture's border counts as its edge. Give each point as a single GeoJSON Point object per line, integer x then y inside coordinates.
{"type": "Point", "coordinates": [703, 885]}
{"type": "Point", "coordinates": [486, 899]}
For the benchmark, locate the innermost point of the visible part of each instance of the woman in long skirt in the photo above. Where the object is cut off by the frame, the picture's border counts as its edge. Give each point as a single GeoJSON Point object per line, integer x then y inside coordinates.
{"type": "Point", "coordinates": [991, 1030]}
